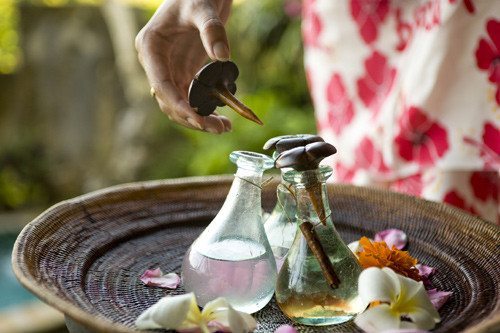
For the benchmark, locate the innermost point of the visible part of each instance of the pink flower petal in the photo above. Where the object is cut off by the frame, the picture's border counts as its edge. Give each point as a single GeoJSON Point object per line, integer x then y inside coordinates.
{"type": "Point", "coordinates": [218, 326]}
{"type": "Point", "coordinates": [438, 298]}
{"type": "Point", "coordinates": [392, 237]}
{"type": "Point", "coordinates": [425, 271]}
{"type": "Point", "coordinates": [285, 329]}
{"type": "Point", "coordinates": [156, 278]}
{"type": "Point", "coordinates": [190, 330]}
{"type": "Point", "coordinates": [151, 273]}
{"type": "Point", "coordinates": [406, 330]}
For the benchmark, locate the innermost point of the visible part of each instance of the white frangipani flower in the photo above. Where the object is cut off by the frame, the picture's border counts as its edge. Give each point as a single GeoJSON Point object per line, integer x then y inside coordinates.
{"type": "Point", "coordinates": [399, 297]}
{"type": "Point", "coordinates": [182, 314]}
{"type": "Point", "coordinates": [355, 247]}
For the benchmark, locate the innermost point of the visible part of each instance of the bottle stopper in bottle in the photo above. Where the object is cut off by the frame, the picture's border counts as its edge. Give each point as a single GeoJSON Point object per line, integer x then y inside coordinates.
{"type": "Point", "coordinates": [305, 157]}
{"type": "Point", "coordinates": [286, 142]}
{"type": "Point", "coordinates": [213, 86]}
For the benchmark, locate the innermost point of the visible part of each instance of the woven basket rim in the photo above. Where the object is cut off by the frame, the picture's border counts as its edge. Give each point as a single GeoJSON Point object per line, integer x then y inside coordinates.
{"type": "Point", "coordinates": [103, 324]}
{"type": "Point", "coordinates": [49, 297]}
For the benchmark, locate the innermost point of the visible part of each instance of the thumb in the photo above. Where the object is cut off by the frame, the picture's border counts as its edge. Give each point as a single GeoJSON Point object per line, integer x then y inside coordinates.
{"type": "Point", "coordinates": [212, 32]}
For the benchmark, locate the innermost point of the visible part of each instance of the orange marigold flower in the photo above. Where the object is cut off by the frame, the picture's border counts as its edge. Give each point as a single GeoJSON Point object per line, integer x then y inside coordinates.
{"type": "Point", "coordinates": [378, 254]}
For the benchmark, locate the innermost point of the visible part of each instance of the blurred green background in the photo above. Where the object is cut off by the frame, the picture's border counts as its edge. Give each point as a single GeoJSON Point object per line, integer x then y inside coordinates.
{"type": "Point", "coordinates": [76, 115]}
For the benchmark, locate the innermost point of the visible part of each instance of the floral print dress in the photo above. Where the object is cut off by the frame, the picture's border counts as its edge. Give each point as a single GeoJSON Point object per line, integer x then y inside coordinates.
{"type": "Point", "coordinates": [410, 92]}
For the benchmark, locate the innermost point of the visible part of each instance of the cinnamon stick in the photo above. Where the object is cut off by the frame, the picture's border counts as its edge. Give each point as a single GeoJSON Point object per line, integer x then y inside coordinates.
{"type": "Point", "coordinates": [314, 191]}
{"type": "Point", "coordinates": [307, 229]}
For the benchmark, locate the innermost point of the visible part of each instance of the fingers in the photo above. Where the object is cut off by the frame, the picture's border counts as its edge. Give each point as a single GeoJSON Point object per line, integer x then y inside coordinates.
{"type": "Point", "coordinates": [179, 111]}
{"type": "Point", "coordinates": [212, 31]}
{"type": "Point", "coordinates": [171, 52]}
{"type": "Point", "coordinates": [214, 125]}
{"type": "Point", "coordinates": [225, 120]}
{"type": "Point", "coordinates": [170, 92]}
{"type": "Point", "coordinates": [175, 107]}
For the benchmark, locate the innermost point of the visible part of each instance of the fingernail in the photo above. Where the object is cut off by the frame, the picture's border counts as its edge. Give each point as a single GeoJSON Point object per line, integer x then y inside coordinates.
{"type": "Point", "coordinates": [194, 123]}
{"type": "Point", "coordinates": [211, 130]}
{"type": "Point", "coordinates": [221, 51]}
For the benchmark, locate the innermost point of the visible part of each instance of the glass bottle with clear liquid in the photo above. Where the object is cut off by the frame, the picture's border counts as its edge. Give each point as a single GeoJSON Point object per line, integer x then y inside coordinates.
{"type": "Point", "coordinates": [302, 292]}
{"type": "Point", "coordinates": [232, 257]}
{"type": "Point", "coordinates": [280, 226]}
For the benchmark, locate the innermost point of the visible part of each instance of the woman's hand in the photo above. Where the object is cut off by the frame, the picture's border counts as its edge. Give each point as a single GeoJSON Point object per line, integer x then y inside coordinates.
{"type": "Point", "coordinates": [174, 45]}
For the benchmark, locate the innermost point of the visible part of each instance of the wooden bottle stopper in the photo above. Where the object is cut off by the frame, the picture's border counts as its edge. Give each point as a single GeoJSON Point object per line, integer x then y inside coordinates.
{"type": "Point", "coordinates": [213, 86]}
{"type": "Point", "coordinates": [308, 158]}
{"type": "Point", "coordinates": [287, 142]}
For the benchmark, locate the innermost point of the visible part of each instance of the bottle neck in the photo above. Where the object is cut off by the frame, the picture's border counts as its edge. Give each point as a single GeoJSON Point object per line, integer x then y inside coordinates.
{"type": "Point", "coordinates": [253, 176]}
{"type": "Point", "coordinates": [243, 202]}
{"type": "Point", "coordinates": [286, 198]}
{"type": "Point", "coordinates": [311, 194]}
{"type": "Point", "coordinates": [312, 203]}
{"type": "Point", "coordinates": [247, 184]}
{"type": "Point", "coordinates": [244, 197]}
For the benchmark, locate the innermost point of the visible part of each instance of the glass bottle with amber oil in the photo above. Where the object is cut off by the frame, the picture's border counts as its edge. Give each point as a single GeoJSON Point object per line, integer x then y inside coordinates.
{"type": "Point", "coordinates": [318, 282]}
{"type": "Point", "coordinates": [280, 225]}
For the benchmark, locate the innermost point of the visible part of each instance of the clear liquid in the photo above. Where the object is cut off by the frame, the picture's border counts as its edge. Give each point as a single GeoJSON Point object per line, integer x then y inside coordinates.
{"type": "Point", "coordinates": [237, 269]}
{"type": "Point", "coordinates": [279, 255]}
{"type": "Point", "coordinates": [280, 234]}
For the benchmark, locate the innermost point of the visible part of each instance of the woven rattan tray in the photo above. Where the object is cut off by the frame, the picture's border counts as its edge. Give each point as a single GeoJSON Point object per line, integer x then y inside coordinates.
{"type": "Point", "coordinates": [84, 256]}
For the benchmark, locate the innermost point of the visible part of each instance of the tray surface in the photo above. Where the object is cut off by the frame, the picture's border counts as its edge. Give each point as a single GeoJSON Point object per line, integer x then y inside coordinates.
{"type": "Point", "coordinates": [84, 256]}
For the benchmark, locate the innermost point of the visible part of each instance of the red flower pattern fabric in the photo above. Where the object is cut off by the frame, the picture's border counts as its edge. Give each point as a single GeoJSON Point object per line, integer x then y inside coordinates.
{"type": "Point", "coordinates": [488, 55]}
{"type": "Point", "coordinates": [368, 15]}
{"type": "Point", "coordinates": [341, 109]}
{"type": "Point", "coordinates": [412, 185]}
{"type": "Point", "coordinates": [344, 174]}
{"type": "Point", "coordinates": [369, 158]}
{"type": "Point", "coordinates": [485, 185]}
{"type": "Point", "coordinates": [420, 139]}
{"type": "Point", "coordinates": [490, 147]}
{"type": "Point", "coordinates": [387, 97]}
{"type": "Point", "coordinates": [312, 25]}
{"type": "Point", "coordinates": [468, 4]}
{"type": "Point", "coordinates": [491, 137]}
{"type": "Point", "coordinates": [377, 82]}
{"type": "Point", "coordinates": [455, 199]}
